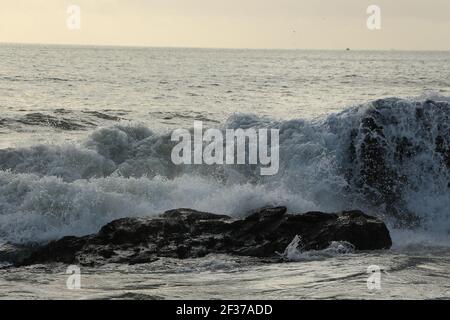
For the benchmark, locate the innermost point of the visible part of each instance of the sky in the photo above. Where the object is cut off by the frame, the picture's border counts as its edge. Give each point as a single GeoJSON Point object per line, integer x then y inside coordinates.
{"type": "Point", "coordinates": [290, 24]}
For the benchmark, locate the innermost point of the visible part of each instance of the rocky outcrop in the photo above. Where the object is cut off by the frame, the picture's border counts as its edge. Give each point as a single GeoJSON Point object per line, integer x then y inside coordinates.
{"type": "Point", "coordinates": [396, 146]}
{"type": "Point", "coordinates": [186, 233]}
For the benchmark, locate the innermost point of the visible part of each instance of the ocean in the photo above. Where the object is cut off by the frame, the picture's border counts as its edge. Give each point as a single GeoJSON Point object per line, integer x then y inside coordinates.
{"type": "Point", "coordinates": [85, 139]}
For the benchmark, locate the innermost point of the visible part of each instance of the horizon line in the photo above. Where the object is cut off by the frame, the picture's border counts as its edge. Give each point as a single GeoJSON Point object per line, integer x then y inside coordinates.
{"type": "Point", "coordinates": [215, 48]}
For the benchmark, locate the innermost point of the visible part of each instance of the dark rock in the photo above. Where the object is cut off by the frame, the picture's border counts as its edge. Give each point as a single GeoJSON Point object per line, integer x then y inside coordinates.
{"type": "Point", "coordinates": [186, 233]}
{"type": "Point", "coordinates": [392, 136]}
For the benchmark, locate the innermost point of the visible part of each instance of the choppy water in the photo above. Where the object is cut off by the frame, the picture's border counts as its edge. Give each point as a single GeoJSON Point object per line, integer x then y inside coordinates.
{"type": "Point", "coordinates": [84, 138]}
{"type": "Point", "coordinates": [166, 88]}
{"type": "Point", "coordinates": [412, 275]}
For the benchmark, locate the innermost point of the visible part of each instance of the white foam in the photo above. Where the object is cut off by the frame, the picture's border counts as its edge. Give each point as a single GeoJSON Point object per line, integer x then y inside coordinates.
{"type": "Point", "coordinates": [49, 191]}
{"type": "Point", "coordinates": [42, 208]}
{"type": "Point", "coordinates": [295, 250]}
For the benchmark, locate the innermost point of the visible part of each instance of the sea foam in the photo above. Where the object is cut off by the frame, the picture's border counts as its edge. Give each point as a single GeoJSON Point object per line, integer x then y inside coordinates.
{"type": "Point", "coordinates": [48, 191]}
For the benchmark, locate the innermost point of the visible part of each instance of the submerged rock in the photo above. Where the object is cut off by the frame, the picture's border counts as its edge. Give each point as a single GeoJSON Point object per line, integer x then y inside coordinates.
{"type": "Point", "coordinates": [186, 233]}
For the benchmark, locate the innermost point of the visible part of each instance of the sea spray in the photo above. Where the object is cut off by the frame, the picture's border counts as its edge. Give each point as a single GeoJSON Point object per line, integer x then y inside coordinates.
{"type": "Point", "coordinates": [48, 191]}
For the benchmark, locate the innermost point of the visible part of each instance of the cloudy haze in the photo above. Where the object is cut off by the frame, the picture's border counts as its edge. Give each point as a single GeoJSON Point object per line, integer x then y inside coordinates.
{"type": "Point", "coordinates": [309, 24]}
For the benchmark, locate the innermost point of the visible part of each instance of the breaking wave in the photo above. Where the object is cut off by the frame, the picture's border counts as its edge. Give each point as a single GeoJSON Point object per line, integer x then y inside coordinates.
{"type": "Point", "coordinates": [389, 157]}
{"type": "Point", "coordinates": [296, 252]}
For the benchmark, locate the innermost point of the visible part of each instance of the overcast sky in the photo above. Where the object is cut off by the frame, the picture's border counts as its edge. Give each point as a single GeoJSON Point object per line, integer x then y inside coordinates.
{"type": "Point", "coordinates": [303, 24]}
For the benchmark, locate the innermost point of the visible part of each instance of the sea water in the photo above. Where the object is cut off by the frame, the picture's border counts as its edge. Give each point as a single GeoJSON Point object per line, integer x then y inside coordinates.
{"type": "Point", "coordinates": [85, 139]}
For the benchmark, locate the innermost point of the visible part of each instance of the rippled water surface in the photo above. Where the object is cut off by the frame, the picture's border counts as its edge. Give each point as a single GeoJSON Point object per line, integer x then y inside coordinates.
{"type": "Point", "coordinates": [402, 276]}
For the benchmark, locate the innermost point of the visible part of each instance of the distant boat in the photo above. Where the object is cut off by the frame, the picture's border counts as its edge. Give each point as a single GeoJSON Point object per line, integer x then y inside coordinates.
{"type": "Point", "coordinates": [348, 49]}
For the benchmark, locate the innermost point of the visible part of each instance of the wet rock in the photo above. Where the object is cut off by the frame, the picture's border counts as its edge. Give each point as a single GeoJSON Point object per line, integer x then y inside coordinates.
{"type": "Point", "coordinates": [393, 139]}
{"type": "Point", "coordinates": [186, 233]}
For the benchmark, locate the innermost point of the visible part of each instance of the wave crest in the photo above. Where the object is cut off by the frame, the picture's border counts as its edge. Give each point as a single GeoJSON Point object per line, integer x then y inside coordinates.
{"type": "Point", "coordinates": [388, 157]}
